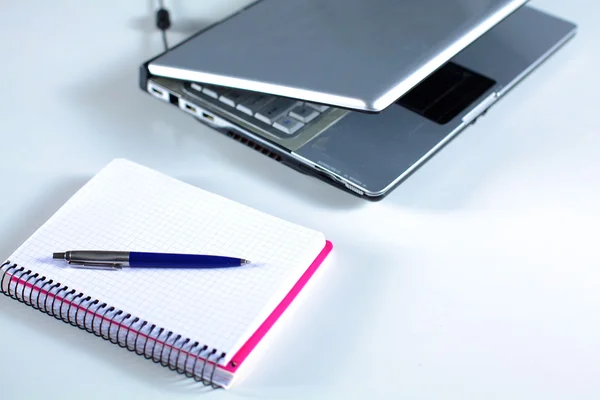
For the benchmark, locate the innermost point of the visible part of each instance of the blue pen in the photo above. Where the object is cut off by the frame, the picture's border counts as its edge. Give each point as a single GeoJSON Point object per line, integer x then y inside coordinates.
{"type": "Point", "coordinates": [112, 260]}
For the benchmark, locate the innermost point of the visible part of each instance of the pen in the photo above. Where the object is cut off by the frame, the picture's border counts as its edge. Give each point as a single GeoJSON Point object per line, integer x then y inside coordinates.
{"type": "Point", "coordinates": [113, 260]}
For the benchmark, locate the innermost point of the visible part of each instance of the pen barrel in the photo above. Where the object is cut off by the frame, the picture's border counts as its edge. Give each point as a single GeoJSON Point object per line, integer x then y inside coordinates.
{"type": "Point", "coordinates": [97, 257]}
{"type": "Point", "coordinates": [141, 260]}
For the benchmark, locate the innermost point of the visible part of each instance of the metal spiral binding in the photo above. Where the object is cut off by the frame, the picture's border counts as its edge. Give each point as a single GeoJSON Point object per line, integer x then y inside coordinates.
{"type": "Point", "coordinates": [56, 305]}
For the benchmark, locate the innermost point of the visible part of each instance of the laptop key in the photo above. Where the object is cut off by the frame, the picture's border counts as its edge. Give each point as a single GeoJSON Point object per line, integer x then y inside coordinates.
{"type": "Point", "coordinates": [274, 110]}
{"type": "Point", "coordinates": [232, 97]}
{"type": "Point", "coordinates": [254, 103]}
{"type": "Point", "coordinates": [318, 107]}
{"type": "Point", "coordinates": [288, 124]}
{"type": "Point", "coordinates": [304, 113]}
{"type": "Point", "coordinates": [196, 87]}
{"type": "Point", "coordinates": [212, 91]}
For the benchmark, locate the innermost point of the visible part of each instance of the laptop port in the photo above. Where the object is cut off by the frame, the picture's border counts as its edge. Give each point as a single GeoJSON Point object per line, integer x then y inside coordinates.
{"type": "Point", "coordinates": [208, 117]}
{"type": "Point", "coordinates": [188, 107]}
{"type": "Point", "coordinates": [158, 91]}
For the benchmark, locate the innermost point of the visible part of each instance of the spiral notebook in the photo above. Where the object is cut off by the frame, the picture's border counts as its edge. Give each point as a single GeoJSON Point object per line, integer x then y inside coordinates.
{"type": "Point", "coordinates": [203, 323]}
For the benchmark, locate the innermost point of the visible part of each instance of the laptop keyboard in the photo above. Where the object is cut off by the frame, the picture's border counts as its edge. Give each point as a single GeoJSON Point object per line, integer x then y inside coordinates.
{"type": "Point", "coordinates": [287, 116]}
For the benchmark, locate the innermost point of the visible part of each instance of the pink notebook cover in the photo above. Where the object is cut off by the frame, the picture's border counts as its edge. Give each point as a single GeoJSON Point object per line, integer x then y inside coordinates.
{"type": "Point", "coordinates": [244, 351]}
{"type": "Point", "coordinates": [255, 339]}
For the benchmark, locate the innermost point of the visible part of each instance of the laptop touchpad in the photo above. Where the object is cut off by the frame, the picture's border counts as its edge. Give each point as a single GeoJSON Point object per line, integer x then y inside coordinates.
{"type": "Point", "coordinates": [446, 93]}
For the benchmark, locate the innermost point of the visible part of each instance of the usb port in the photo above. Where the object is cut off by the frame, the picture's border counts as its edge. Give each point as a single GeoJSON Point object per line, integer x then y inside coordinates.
{"type": "Point", "coordinates": [208, 116]}
{"type": "Point", "coordinates": [158, 92]}
{"type": "Point", "coordinates": [190, 108]}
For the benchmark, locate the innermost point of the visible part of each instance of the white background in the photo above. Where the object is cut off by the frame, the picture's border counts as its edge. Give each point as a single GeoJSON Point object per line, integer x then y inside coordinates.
{"type": "Point", "coordinates": [478, 278]}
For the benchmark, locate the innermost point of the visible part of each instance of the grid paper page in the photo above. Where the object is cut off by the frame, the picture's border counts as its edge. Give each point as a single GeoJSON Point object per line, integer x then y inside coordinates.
{"type": "Point", "coordinates": [127, 207]}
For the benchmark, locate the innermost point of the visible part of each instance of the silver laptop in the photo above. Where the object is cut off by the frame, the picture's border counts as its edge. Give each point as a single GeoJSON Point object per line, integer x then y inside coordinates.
{"type": "Point", "coordinates": [356, 93]}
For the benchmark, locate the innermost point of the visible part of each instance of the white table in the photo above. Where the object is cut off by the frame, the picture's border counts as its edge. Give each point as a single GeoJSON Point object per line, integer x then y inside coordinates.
{"type": "Point", "coordinates": [477, 278]}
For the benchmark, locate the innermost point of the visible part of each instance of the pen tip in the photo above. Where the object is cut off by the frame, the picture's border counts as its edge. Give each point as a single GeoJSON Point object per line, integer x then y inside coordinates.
{"type": "Point", "coordinates": [59, 255]}
{"type": "Point", "coordinates": [244, 262]}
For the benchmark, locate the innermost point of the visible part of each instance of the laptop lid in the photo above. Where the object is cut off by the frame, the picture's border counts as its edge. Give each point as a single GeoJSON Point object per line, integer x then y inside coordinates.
{"type": "Point", "coordinates": [356, 54]}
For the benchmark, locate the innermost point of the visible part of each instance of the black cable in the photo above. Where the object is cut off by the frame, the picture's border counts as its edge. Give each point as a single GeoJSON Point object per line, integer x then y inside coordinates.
{"type": "Point", "coordinates": [163, 22]}
{"type": "Point", "coordinates": [164, 38]}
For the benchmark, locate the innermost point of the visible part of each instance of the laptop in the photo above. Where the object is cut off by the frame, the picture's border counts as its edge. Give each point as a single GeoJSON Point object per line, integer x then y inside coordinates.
{"type": "Point", "coordinates": [358, 94]}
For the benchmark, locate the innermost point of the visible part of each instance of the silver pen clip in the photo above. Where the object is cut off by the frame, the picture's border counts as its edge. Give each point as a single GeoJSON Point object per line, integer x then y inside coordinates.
{"type": "Point", "coordinates": [108, 267]}
{"type": "Point", "coordinates": [95, 259]}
